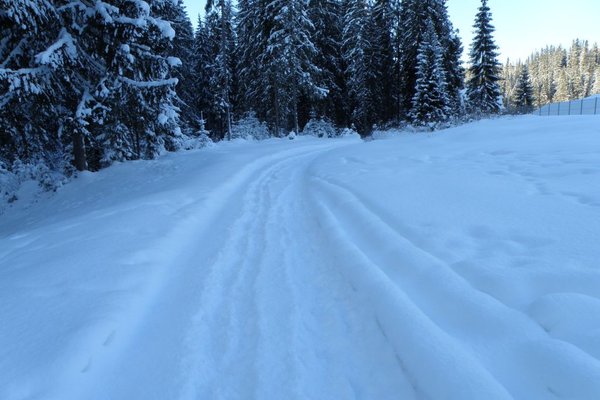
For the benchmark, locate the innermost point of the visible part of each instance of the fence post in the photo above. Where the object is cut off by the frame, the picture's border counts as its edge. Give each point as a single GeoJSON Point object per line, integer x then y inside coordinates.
{"type": "Point", "coordinates": [558, 110]}
{"type": "Point", "coordinates": [581, 113]}
{"type": "Point", "coordinates": [596, 106]}
{"type": "Point", "coordinates": [569, 107]}
{"type": "Point", "coordinates": [549, 107]}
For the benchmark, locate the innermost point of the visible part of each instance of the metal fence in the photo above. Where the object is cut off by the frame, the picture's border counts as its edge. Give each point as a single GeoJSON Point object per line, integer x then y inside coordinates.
{"type": "Point", "coordinates": [587, 106]}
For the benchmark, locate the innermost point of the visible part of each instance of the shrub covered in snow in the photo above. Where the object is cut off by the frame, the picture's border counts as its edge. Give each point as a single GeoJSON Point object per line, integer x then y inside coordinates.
{"type": "Point", "coordinates": [320, 127]}
{"type": "Point", "coordinates": [13, 178]}
{"type": "Point", "coordinates": [249, 128]}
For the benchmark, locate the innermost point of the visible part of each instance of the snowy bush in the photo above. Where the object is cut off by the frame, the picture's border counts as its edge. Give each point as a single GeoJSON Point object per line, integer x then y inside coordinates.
{"type": "Point", "coordinates": [249, 128]}
{"type": "Point", "coordinates": [199, 141]}
{"type": "Point", "coordinates": [40, 175]}
{"type": "Point", "coordinates": [349, 132]}
{"type": "Point", "coordinates": [320, 128]}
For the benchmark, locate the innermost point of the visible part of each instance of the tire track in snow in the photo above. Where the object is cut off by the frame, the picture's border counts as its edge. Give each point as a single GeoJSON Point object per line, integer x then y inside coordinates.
{"type": "Point", "coordinates": [151, 334]}
{"type": "Point", "coordinates": [290, 336]}
{"type": "Point", "coordinates": [428, 294]}
{"type": "Point", "coordinates": [238, 298]}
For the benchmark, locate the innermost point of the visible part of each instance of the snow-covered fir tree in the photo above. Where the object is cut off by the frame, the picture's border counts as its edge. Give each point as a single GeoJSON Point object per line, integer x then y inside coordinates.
{"type": "Point", "coordinates": [290, 59]}
{"type": "Point", "coordinates": [183, 49]}
{"type": "Point", "coordinates": [202, 97]}
{"type": "Point", "coordinates": [139, 118]}
{"type": "Point", "coordinates": [414, 17]}
{"type": "Point", "coordinates": [360, 75]}
{"type": "Point", "coordinates": [430, 102]}
{"type": "Point", "coordinates": [483, 88]}
{"type": "Point", "coordinates": [276, 59]}
{"type": "Point", "coordinates": [221, 41]}
{"type": "Point", "coordinates": [382, 52]}
{"type": "Point", "coordinates": [36, 54]}
{"type": "Point", "coordinates": [251, 44]}
{"type": "Point", "coordinates": [327, 19]}
{"type": "Point", "coordinates": [452, 49]}
{"type": "Point", "coordinates": [92, 81]}
{"type": "Point", "coordinates": [596, 86]}
{"type": "Point", "coordinates": [524, 97]}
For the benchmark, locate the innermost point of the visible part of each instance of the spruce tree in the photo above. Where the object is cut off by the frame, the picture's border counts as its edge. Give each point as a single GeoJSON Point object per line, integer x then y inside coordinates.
{"type": "Point", "coordinates": [596, 86]}
{"type": "Point", "coordinates": [182, 48]}
{"type": "Point", "coordinates": [326, 17]}
{"type": "Point", "coordinates": [251, 36]}
{"type": "Point", "coordinates": [524, 97]}
{"type": "Point", "coordinates": [290, 59]}
{"type": "Point", "coordinates": [414, 17]}
{"type": "Point", "coordinates": [412, 25]}
{"type": "Point", "coordinates": [277, 60]}
{"type": "Point", "coordinates": [382, 60]}
{"type": "Point", "coordinates": [36, 54]}
{"type": "Point", "coordinates": [430, 102]}
{"type": "Point", "coordinates": [483, 89]}
{"type": "Point", "coordinates": [359, 72]}
{"type": "Point", "coordinates": [221, 39]}
{"type": "Point", "coordinates": [201, 94]}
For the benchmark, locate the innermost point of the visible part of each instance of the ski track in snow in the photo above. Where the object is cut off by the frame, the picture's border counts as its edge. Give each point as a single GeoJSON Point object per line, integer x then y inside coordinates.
{"type": "Point", "coordinates": [311, 270]}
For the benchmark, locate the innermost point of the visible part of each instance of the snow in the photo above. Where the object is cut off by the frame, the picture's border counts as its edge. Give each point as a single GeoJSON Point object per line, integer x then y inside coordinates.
{"type": "Point", "coordinates": [49, 56]}
{"type": "Point", "coordinates": [456, 265]}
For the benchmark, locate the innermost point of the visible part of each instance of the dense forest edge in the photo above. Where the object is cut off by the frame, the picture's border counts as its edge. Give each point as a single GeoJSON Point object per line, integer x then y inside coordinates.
{"type": "Point", "coordinates": [87, 83]}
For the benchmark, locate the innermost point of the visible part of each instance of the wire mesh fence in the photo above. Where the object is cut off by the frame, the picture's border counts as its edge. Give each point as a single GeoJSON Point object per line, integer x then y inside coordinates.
{"type": "Point", "coordinates": [587, 106]}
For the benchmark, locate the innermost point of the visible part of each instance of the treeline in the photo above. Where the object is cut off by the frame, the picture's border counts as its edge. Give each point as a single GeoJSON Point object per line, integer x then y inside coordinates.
{"type": "Point", "coordinates": [84, 83]}
{"type": "Point", "coordinates": [556, 74]}
{"type": "Point", "coordinates": [354, 63]}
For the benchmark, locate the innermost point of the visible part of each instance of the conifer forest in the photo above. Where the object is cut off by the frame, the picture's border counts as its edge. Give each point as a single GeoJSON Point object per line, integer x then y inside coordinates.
{"type": "Point", "coordinates": [85, 83]}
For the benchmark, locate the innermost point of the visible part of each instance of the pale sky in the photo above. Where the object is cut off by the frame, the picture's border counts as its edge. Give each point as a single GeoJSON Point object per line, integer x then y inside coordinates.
{"type": "Point", "coordinates": [522, 26]}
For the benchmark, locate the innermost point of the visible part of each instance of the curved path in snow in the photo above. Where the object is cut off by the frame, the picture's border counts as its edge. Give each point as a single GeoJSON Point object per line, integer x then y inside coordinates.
{"type": "Point", "coordinates": [282, 282]}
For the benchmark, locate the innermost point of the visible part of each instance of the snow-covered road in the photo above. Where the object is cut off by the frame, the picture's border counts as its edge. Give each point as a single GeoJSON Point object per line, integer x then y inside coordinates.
{"type": "Point", "coordinates": [462, 265]}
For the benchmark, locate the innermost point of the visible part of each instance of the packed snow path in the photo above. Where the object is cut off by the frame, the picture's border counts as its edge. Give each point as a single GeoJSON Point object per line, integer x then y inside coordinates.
{"type": "Point", "coordinates": [462, 265]}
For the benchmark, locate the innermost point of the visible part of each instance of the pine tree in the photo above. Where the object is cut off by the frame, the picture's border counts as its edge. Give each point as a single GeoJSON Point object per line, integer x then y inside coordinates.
{"type": "Point", "coordinates": [202, 97]}
{"type": "Point", "coordinates": [414, 17]}
{"type": "Point", "coordinates": [182, 48]}
{"type": "Point", "coordinates": [359, 73]}
{"type": "Point", "coordinates": [382, 59]}
{"type": "Point", "coordinates": [596, 87]}
{"type": "Point", "coordinates": [290, 59]}
{"type": "Point", "coordinates": [222, 40]}
{"type": "Point", "coordinates": [326, 17]}
{"type": "Point", "coordinates": [452, 49]}
{"type": "Point", "coordinates": [483, 90]}
{"type": "Point", "coordinates": [251, 36]}
{"type": "Point", "coordinates": [136, 97]}
{"type": "Point", "coordinates": [36, 53]}
{"type": "Point", "coordinates": [562, 87]}
{"type": "Point", "coordinates": [430, 102]}
{"type": "Point", "coordinates": [277, 60]}
{"type": "Point", "coordinates": [524, 97]}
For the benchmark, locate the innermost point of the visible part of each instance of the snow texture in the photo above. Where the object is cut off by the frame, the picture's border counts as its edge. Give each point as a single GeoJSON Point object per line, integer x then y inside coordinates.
{"type": "Point", "coordinates": [458, 265]}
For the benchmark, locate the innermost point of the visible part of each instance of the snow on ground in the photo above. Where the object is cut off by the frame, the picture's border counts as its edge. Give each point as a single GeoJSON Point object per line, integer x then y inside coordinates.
{"type": "Point", "coordinates": [459, 265]}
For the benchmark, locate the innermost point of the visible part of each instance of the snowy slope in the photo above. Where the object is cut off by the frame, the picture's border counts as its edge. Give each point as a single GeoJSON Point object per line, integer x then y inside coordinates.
{"type": "Point", "coordinates": [459, 265]}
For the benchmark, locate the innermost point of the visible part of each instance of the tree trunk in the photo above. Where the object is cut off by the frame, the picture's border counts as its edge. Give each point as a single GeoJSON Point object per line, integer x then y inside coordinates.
{"type": "Point", "coordinates": [79, 151]}
{"type": "Point", "coordinates": [296, 127]}
{"type": "Point", "coordinates": [228, 122]}
{"type": "Point", "coordinates": [277, 117]}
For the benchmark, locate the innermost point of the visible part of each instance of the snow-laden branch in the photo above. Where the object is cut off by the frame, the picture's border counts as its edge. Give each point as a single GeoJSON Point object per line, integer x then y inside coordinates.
{"type": "Point", "coordinates": [150, 84]}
